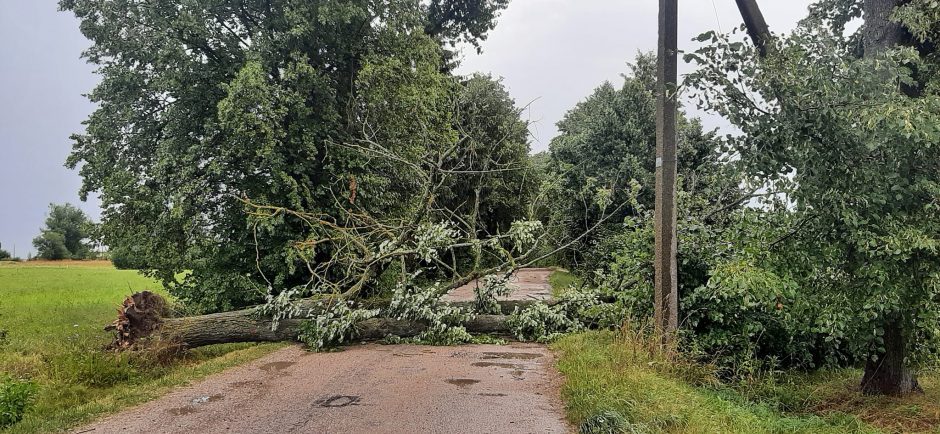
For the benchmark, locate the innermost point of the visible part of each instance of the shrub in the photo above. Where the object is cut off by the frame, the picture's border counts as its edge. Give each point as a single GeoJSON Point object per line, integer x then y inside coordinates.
{"type": "Point", "coordinates": [125, 258]}
{"type": "Point", "coordinates": [51, 246]}
{"type": "Point", "coordinates": [15, 399]}
{"type": "Point", "coordinates": [741, 307]}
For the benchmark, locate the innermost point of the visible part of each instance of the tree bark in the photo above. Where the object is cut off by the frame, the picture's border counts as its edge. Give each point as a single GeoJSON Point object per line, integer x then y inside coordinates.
{"type": "Point", "coordinates": [245, 326]}
{"type": "Point", "coordinates": [887, 373]}
{"type": "Point", "coordinates": [880, 33]}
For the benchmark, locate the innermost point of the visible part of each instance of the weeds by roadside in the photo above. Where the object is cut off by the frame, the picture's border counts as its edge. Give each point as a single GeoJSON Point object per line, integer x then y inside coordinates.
{"type": "Point", "coordinates": [611, 373]}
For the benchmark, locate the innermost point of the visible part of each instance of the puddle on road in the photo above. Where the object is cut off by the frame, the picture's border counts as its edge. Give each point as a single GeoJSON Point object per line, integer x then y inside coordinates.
{"type": "Point", "coordinates": [509, 355]}
{"type": "Point", "coordinates": [205, 399]}
{"type": "Point", "coordinates": [492, 394]}
{"type": "Point", "coordinates": [497, 365]}
{"type": "Point", "coordinates": [462, 382]}
{"type": "Point", "coordinates": [337, 401]}
{"type": "Point", "coordinates": [276, 366]}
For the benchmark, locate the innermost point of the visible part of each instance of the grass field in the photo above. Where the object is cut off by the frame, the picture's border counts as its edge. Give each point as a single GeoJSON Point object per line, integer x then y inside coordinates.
{"type": "Point", "coordinates": [53, 315]}
{"type": "Point", "coordinates": [614, 376]}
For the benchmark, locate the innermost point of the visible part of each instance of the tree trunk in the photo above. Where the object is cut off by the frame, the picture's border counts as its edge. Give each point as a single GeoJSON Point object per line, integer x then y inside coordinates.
{"type": "Point", "coordinates": [755, 24]}
{"type": "Point", "coordinates": [880, 33]}
{"type": "Point", "coordinates": [887, 373]}
{"type": "Point", "coordinates": [142, 318]}
{"type": "Point", "coordinates": [244, 326]}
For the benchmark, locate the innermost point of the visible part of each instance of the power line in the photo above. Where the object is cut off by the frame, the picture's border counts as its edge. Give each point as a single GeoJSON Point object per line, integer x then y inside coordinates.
{"type": "Point", "coordinates": [717, 19]}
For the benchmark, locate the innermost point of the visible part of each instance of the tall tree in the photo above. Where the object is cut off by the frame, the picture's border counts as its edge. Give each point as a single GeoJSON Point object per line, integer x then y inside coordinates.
{"type": "Point", "coordinates": [205, 102]}
{"type": "Point", "coordinates": [609, 140]}
{"type": "Point", "coordinates": [847, 125]}
{"type": "Point", "coordinates": [65, 235]}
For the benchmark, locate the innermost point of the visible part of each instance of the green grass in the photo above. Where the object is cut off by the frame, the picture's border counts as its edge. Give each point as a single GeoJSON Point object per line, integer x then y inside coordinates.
{"type": "Point", "coordinates": [614, 373]}
{"type": "Point", "coordinates": [561, 280]}
{"type": "Point", "coordinates": [54, 314]}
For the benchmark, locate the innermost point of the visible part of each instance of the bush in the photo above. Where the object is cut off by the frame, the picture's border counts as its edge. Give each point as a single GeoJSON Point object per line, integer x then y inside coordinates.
{"type": "Point", "coordinates": [740, 307]}
{"type": "Point", "coordinates": [51, 246]}
{"type": "Point", "coordinates": [5, 255]}
{"type": "Point", "coordinates": [125, 258]}
{"type": "Point", "coordinates": [15, 399]}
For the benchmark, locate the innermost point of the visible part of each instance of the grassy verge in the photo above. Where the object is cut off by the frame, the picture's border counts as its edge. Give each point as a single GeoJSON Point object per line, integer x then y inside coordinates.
{"type": "Point", "coordinates": [53, 314]}
{"type": "Point", "coordinates": [561, 280]}
{"type": "Point", "coordinates": [613, 380]}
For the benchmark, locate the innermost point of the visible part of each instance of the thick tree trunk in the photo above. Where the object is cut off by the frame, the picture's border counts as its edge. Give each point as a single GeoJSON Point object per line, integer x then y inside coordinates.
{"type": "Point", "coordinates": [244, 326]}
{"type": "Point", "coordinates": [880, 32]}
{"type": "Point", "coordinates": [141, 319]}
{"type": "Point", "coordinates": [887, 373]}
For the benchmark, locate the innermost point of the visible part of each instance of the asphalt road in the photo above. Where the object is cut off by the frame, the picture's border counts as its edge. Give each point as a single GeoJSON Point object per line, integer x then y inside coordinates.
{"type": "Point", "coordinates": [365, 389]}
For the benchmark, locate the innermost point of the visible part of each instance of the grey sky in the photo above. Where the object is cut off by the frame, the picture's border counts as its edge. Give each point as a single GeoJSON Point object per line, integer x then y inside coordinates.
{"type": "Point", "coordinates": [42, 80]}
{"type": "Point", "coordinates": [552, 53]}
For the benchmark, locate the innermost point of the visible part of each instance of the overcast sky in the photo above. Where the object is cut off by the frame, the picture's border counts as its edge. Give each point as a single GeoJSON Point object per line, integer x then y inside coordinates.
{"type": "Point", "coordinates": [552, 54]}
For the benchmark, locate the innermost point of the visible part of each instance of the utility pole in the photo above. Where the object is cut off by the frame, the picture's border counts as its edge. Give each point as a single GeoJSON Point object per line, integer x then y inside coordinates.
{"type": "Point", "coordinates": [666, 312]}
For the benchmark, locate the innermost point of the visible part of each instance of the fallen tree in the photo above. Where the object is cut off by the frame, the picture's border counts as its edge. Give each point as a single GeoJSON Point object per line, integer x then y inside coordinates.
{"type": "Point", "coordinates": [143, 318]}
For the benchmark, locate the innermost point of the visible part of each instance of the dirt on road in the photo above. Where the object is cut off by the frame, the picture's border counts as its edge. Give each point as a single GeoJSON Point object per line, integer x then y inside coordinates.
{"type": "Point", "coordinates": [370, 389]}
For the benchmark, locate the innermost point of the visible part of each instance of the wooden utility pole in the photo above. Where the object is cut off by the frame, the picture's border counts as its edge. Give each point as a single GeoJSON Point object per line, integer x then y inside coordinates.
{"type": "Point", "coordinates": [666, 315]}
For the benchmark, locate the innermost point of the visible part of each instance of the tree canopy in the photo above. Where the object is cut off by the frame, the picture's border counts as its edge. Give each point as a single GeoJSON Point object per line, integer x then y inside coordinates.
{"type": "Point", "coordinates": [846, 128]}
{"type": "Point", "coordinates": [65, 235]}
{"type": "Point", "coordinates": [206, 103]}
{"type": "Point", "coordinates": [606, 150]}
